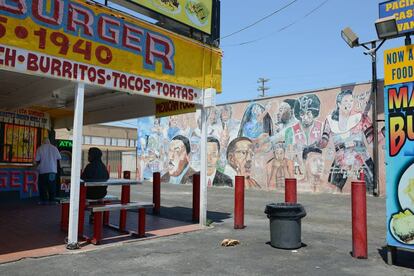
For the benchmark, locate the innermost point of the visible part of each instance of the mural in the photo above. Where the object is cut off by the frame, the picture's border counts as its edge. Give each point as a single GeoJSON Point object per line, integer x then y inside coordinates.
{"type": "Point", "coordinates": [323, 139]}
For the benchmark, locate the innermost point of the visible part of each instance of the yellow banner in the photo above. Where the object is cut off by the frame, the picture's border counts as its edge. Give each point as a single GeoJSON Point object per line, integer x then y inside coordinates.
{"type": "Point", "coordinates": [90, 43]}
{"type": "Point", "coordinates": [399, 65]}
{"type": "Point", "coordinates": [167, 108]}
{"type": "Point", "coordinates": [195, 13]}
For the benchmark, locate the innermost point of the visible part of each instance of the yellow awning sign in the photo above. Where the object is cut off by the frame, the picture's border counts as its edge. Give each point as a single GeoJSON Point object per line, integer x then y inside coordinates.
{"type": "Point", "coordinates": [80, 41]}
{"type": "Point", "coordinates": [399, 65]}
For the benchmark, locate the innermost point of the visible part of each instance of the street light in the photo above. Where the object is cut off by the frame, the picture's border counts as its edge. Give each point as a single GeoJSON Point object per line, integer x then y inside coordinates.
{"type": "Point", "coordinates": [386, 28]}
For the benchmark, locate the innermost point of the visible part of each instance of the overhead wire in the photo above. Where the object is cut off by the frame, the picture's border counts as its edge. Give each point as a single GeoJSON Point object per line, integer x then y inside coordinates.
{"type": "Point", "coordinates": [260, 20]}
{"type": "Point", "coordinates": [282, 28]}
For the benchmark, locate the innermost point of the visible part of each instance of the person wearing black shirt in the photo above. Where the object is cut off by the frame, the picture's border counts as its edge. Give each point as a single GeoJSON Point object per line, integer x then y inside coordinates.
{"type": "Point", "coordinates": [95, 171]}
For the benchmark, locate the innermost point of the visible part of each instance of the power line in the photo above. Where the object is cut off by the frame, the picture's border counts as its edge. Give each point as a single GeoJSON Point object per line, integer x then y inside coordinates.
{"type": "Point", "coordinates": [281, 29]}
{"type": "Point", "coordinates": [260, 20]}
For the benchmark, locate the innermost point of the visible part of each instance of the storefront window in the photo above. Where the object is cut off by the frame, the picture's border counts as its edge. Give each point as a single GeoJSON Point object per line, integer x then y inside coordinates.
{"type": "Point", "coordinates": [99, 141]}
{"type": "Point", "coordinates": [122, 142]}
{"type": "Point", "coordinates": [19, 143]}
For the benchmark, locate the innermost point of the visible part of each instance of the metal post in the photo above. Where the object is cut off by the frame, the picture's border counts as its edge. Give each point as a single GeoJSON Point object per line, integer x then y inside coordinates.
{"type": "Point", "coordinates": [203, 167]}
{"type": "Point", "coordinates": [76, 167]}
{"type": "Point", "coordinates": [376, 190]}
{"type": "Point", "coordinates": [156, 192]}
{"type": "Point", "coordinates": [196, 197]}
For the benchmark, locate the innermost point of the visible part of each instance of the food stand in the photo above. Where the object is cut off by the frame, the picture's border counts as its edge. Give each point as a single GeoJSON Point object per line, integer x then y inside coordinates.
{"type": "Point", "coordinates": [82, 63]}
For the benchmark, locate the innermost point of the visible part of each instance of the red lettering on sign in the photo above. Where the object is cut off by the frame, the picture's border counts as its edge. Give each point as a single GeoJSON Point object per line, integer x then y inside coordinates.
{"type": "Point", "coordinates": [3, 179]}
{"type": "Point", "coordinates": [152, 52]}
{"type": "Point", "coordinates": [130, 35]}
{"type": "Point", "coordinates": [14, 179]}
{"type": "Point", "coordinates": [55, 18]}
{"type": "Point", "coordinates": [18, 7]}
{"type": "Point", "coordinates": [79, 16]}
{"type": "Point", "coordinates": [104, 24]}
{"type": "Point", "coordinates": [30, 179]}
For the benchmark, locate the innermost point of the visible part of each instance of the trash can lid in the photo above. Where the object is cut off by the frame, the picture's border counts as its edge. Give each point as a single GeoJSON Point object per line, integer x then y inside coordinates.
{"type": "Point", "coordinates": [286, 210]}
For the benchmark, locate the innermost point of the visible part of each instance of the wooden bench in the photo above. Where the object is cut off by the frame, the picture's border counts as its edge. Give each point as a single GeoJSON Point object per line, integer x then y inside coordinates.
{"type": "Point", "coordinates": [98, 210]}
{"type": "Point", "coordinates": [64, 215]}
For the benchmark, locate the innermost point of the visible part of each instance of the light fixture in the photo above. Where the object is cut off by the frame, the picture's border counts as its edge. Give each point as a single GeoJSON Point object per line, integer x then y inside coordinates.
{"type": "Point", "coordinates": [386, 27]}
{"type": "Point", "coordinates": [350, 37]}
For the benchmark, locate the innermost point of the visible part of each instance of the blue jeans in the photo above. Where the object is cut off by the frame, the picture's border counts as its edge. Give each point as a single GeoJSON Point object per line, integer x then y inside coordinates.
{"type": "Point", "coordinates": [47, 186]}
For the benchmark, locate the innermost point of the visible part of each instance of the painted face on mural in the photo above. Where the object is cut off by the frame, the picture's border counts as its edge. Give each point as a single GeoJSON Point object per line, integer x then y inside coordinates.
{"type": "Point", "coordinates": [345, 106]}
{"type": "Point", "coordinates": [212, 157]}
{"type": "Point", "coordinates": [284, 113]}
{"type": "Point", "coordinates": [306, 118]}
{"type": "Point", "coordinates": [314, 164]}
{"type": "Point", "coordinates": [241, 158]}
{"type": "Point", "coordinates": [225, 114]}
{"type": "Point", "coordinates": [178, 158]}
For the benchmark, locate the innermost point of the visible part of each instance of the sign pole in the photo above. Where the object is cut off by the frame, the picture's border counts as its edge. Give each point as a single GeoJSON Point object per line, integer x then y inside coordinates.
{"type": "Point", "coordinates": [203, 167]}
{"type": "Point", "coordinates": [76, 168]}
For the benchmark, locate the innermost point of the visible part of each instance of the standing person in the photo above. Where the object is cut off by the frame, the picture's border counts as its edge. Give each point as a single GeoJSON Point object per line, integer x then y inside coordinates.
{"type": "Point", "coordinates": [47, 157]}
{"type": "Point", "coordinates": [95, 171]}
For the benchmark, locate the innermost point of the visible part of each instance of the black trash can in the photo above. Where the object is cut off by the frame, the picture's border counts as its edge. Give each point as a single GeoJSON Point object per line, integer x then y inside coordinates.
{"type": "Point", "coordinates": [285, 224]}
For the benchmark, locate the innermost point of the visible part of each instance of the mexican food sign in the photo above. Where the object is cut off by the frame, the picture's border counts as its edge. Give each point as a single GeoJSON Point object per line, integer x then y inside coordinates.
{"type": "Point", "coordinates": [80, 41]}
{"type": "Point", "coordinates": [399, 123]}
{"type": "Point", "coordinates": [194, 13]}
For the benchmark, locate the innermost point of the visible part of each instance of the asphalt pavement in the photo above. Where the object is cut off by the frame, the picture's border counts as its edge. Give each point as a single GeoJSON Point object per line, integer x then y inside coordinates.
{"type": "Point", "coordinates": [326, 237]}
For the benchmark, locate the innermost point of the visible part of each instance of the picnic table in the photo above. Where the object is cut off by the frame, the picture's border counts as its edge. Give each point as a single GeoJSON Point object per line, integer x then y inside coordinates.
{"type": "Point", "coordinates": [125, 199]}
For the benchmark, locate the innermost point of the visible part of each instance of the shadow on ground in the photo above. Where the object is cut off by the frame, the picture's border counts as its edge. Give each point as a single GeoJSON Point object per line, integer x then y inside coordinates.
{"type": "Point", "coordinates": [185, 214]}
{"type": "Point", "coordinates": [402, 258]}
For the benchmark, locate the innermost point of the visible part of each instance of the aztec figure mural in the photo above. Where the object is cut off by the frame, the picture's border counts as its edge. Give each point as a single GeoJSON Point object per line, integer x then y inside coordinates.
{"type": "Point", "coordinates": [323, 139]}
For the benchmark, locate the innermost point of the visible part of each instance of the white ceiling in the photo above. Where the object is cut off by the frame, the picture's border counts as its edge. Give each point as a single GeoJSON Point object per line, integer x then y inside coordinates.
{"type": "Point", "coordinates": [19, 90]}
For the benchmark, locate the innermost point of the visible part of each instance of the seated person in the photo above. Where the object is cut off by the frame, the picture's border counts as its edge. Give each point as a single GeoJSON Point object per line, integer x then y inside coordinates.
{"type": "Point", "coordinates": [95, 171]}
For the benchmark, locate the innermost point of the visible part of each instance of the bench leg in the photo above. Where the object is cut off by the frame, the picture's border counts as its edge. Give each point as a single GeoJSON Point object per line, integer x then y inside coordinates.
{"type": "Point", "coordinates": [391, 253]}
{"type": "Point", "coordinates": [82, 205]}
{"type": "Point", "coordinates": [106, 218]}
{"type": "Point", "coordinates": [141, 223]}
{"type": "Point", "coordinates": [64, 216]}
{"type": "Point", "coordinates": [106, 214]}
{"type": "Point", "coordinates": [97, 228]}
{"type": "Point", "coordinates": [125, 198]}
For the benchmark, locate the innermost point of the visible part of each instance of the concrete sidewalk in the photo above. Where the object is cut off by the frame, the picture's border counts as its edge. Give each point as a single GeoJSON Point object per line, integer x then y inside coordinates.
{"type": "Point", "coordinates": [326, 231]}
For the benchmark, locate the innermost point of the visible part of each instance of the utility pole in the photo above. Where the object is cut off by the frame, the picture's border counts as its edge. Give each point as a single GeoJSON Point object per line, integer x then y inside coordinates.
{"type": "Point", "coordinates": [262, 86]}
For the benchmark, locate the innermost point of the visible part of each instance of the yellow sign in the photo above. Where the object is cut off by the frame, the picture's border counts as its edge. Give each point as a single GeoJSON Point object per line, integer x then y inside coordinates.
{"type": "Point", "coordinates": [88, 43]}
{"type": "Point", "coordinates": [195, 13]}
{"type": "Point", "coordinates": [167, 108]}
{"type": "Point", "coordinates": [399, 65]}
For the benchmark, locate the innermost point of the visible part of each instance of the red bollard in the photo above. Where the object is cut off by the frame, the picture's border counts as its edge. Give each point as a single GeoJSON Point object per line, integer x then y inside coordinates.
{"type": "Point", "coordinates": [156, 192]}
{"type": "Point", "coordinates": [196, 197]}
{"type": "Point", "coordinates": [290, 190]}
{"type": "Point", "coordinates": [127, 174]}
{"type": "Point", "coordinates": [125, 198]}
{"type": "Point", "coordinates": [239, 203]}
{"type": "Point", "coordinates": [359, 220]}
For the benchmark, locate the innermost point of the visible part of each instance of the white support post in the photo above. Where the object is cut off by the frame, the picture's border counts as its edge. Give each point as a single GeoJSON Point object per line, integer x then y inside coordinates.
{"type": "Point", "coordinates": [76, 167]}
{"type": "Point", "coordinates": [203, 168]}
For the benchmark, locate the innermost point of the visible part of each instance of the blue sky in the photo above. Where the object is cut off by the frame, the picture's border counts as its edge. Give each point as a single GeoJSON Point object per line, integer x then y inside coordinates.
{"type": "Point", "coordinates": [310, 54]}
